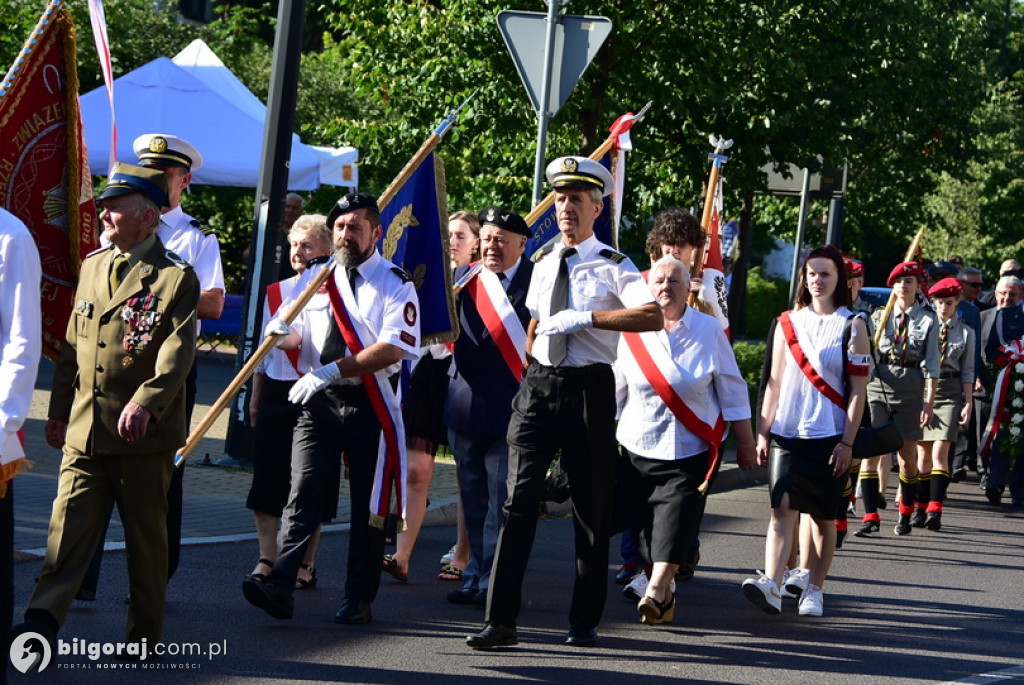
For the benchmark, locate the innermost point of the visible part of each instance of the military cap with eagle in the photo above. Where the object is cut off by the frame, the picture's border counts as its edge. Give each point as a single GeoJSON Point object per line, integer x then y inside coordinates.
{"type": "Point", "coordinates": [505, 220]}
{"type": "Point", "coordinates": [166, 150]}
{"type": "Point", "coordinates": [579, 172]}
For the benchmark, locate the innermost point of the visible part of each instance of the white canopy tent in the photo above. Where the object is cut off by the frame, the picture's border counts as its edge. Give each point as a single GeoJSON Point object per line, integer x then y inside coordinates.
{"type": "Point", "coordinates": [194, 96]}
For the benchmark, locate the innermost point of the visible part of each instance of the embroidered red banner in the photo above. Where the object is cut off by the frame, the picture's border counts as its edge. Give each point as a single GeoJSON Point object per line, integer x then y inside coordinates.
{"type": "Point", "coordinates": [274, 300]}
{"type": "Point", "coordinates": [44, 172]}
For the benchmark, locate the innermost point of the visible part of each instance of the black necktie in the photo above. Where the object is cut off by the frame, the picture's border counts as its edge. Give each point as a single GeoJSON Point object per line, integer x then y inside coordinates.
{"type": "Point", "coordinates": [558, 344]}
{"type": "Point", "coordinates": [334, 345]}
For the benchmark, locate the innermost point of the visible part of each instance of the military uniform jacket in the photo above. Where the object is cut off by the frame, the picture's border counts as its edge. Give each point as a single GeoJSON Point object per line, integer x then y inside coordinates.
{"type": "Point", "coordinates": [137, 345]}
{"type": "Point", "coordinates": [480, 394]}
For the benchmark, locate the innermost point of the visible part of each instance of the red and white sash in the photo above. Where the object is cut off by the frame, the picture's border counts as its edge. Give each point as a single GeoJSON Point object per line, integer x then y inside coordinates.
{"type": "Point", "coordinates": [660, 370]}
{"type": "Point", "coordinates": [391, 461]}
{"type": "Point", "coordinates": [1009, 355]}
{"type": "Point", "coordinates": [500, 318]}
{"type": "Point", "coordinates": [275, 298]}
{"type": "Point", "coordinates": [806, 365]}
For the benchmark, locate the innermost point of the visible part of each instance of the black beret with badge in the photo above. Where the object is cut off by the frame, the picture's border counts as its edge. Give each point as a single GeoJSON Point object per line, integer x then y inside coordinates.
{"type": "Point", "coordinates": [351, 203]}
{"type": "Point", "coordinates": [166, 150]}
{"type": "Point", "coordinates": [505, 220]}
{"type": "Point", "coordinates": [127, 179]}
{"type": "Point", "coordinates": [579, 172]}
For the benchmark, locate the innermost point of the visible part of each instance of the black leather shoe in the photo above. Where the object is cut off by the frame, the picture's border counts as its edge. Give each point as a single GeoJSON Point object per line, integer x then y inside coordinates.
{"type": "Point", "coordinates": [917, 520]}
{"type": "Point", "coordinates": [480, 599]}
{"type": "Point", "coordinates": [581, 637]}
{"type": "Point", "coordinates": [354, 612]}
{"type": "Point", "coordinates": [688, 567]}
{"type": "Point", "coordinates": [934, 521]}
{"type": "Point", "coordinates": [276, 601]}
{"type": "Point", "coordinates": [41, 622]}
{"type": "Point", "coordinates": [462, 596]}
{"type": "Point", "coordinates": [994, 495]}
{"type": "Point", "coordinates": [493, 635]}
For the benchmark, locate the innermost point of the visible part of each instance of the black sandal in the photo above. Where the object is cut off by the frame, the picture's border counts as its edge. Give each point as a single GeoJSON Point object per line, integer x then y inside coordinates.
{"type": "Point", "coordinates": [260, 576]}
{"type": "Point", "coordinates": [302, 583]}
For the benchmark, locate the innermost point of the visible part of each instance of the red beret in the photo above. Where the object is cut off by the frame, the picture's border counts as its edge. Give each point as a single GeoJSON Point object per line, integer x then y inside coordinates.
{"type": "Point", "coordinates": [947, 287]}
{"type": "Point", "coordinates": [906, 269]}
{"type": "Point", "coordinates": [853, 267]}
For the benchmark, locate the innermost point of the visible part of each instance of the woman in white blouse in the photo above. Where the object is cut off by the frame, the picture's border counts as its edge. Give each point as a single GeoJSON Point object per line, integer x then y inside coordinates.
{"type": "Point", "coordinates": [807, 425]}
{"type": "Point", "coordinates": [676, 388]}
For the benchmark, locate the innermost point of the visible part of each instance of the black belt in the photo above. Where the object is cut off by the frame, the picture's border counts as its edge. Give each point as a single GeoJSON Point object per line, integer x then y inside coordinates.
{"type": "Point", "coordinates": [897, 362]}
{"type": "Point", "coordinates": [945, 375]}
{"type": "Point", "coordinates": [573, 371]}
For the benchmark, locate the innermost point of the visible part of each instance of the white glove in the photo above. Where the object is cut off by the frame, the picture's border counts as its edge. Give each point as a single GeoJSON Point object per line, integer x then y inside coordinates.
{"type": "Point", "coordinates": [279, 328]}
{"type": "Point", "coordinates": [313, 382]}
{"type": "Point", "coordinates": [565, 321]}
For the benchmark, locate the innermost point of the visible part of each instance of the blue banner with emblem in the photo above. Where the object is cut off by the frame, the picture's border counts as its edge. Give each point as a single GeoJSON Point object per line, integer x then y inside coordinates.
{"type": "Point", "coordinates": [415, 238]}
{"type": "Point", "coordinates": [545, 228]}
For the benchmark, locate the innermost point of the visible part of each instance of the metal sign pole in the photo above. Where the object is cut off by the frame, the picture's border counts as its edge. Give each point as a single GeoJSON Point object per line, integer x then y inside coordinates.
{"type": "Point", "coordinates": [544, 110]}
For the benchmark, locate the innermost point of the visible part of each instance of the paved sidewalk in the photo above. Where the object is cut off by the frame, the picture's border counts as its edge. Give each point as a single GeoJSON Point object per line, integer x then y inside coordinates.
{"type": "Point", "coordinates": [214, 495]}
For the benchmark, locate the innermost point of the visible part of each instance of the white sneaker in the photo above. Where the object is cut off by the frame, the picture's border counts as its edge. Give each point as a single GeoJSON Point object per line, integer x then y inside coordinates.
{"type": "Point", "coordinates": [637, 587]}
{"type": "Point", "coordinates": [763, 593]}
{"type": "Point", "coordinates": [794, 581]}
{"type": "Point", "coordinates": [811, 601]}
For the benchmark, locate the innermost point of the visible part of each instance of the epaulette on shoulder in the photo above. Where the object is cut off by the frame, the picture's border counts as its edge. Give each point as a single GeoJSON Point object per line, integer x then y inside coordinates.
{"type": "Point", "coordinates": [543, 252]}
{"type": "Point", "coordinates": [206, 230]}
{"type": "Point", "coordinates": [99, 250]}
{"type": "Point", "coordinates": [401, 273]}
{"type": "Point", "coordinates": [616, 257]}
{"type": "Point", "coordinates": [182, 264]}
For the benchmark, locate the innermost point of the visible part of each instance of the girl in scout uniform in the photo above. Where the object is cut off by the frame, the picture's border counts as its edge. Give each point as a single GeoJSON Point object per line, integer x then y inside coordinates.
{"type": "Point", "coordinates": [903, 390]}
{"type": "Point", "coordinates": [952, 403]}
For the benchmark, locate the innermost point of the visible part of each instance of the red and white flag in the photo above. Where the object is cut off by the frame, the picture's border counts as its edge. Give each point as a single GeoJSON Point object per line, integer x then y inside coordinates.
{"type": "Point", "coordinates": [712, 289]}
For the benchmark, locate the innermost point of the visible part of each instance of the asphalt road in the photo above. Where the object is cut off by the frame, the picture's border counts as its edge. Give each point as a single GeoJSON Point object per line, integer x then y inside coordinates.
{"type": "Point", "coordinates": [932, 607]}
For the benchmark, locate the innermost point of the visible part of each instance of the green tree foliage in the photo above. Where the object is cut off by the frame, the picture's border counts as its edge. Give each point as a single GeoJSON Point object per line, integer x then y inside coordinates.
{"type": "Point", "coordinates": [917, 95]}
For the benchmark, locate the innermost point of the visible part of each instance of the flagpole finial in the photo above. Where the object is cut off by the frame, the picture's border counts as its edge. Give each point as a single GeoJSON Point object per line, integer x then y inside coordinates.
{"type": "Point", "coordinates": [449, 120]}
{"type": "Point", "coordinates": [719, 143]}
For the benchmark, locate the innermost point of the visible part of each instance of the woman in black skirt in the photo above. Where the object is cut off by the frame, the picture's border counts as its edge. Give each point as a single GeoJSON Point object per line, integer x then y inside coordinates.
{"type": "Point", "coordinates": [808, 424]}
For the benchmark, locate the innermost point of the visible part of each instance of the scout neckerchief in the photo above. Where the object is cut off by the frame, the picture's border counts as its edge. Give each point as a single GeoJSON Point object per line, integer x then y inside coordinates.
{"type": "Point", "coordinates": [491, 301]}
{"type": "Point", "coordinates": [1010, 354]}
{"type": "Point", "coordinates": [391, 464]}
{"type": "Point", "coordinates": [652, 356]}
{"type": "Point", "coordinates": [274, 299]}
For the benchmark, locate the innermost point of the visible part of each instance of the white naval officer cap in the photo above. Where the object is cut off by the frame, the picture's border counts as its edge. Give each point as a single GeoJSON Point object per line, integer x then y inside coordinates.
{"type": "Point", "coordinates": [579, 172]}
{"type": "Point", "coordinates": [166, 150]}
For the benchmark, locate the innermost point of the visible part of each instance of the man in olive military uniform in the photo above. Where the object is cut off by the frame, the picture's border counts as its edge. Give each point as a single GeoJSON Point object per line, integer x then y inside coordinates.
{"type": "Point", "coordinates": [118, 407]}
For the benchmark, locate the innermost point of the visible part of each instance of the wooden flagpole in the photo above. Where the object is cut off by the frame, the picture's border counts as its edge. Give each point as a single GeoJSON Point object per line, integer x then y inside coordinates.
{"type": "Point", "coordinates": [596, 155]}
{"type": "Point", "coordinates": [915, 245]}
{"type": "Point", "coordinates": [303, 299]}
{"type": "Point", "coordinates": [718, 159]}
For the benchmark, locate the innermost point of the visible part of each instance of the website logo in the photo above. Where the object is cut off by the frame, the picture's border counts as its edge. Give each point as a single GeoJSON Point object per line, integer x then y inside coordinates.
{"type": "Point", "coordinates": [26, 658]}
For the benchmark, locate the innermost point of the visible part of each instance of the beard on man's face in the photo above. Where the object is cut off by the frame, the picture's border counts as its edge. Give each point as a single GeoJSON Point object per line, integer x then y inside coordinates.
{"type": "Point", "coordinates": [349, 255]}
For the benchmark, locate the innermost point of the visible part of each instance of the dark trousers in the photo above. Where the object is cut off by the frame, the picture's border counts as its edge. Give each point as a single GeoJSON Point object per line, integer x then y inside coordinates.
{"type": "Point", "coordinates": [175, 496]}
{"type": "Point", "coordinates": [336, 420]}
{"type": "Point", "coordinates": [573, 410]}
{"type": "Point", "coordinates": [482, 462]}
{"type": "Point", "coordinates": [7, 574]}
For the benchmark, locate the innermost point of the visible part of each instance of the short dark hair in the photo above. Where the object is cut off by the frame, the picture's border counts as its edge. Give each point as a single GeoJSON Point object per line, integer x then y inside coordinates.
{"type": "Point", "coordinates": [840, 296]}
{"type": "Point", "coordinates": [675, 227]}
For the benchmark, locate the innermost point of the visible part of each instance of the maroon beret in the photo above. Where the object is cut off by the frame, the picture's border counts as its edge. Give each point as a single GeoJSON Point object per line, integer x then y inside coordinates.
{"type": "Point", "coordinates": [947, 287]}
{"type": "Point", "coordinates": [906, 269]}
